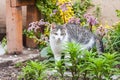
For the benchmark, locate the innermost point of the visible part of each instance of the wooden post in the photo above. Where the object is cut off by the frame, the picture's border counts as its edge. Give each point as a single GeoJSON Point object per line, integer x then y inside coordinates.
{"type": "Point", "coordinates": [14, 28]}
{"type": "Point", "coordinates": [32, 15]}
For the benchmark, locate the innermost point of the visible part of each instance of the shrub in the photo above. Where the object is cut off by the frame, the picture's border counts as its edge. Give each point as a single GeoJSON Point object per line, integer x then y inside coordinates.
{"type": "Point", "coordinates": [33, 71]}
{"type": "Point", "coordinates": [113, 39]}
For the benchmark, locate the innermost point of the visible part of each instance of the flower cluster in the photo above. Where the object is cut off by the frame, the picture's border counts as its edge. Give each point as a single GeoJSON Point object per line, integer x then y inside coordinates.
{"type": "Point", "coordinates": [101, 31]}
{"type": "Point", "coordinates": [74, 20]}
{"type": "Point", "coordinates": [66, 10]}
{"type": "Point", "coordinates": [38, 31]}
{"type": "Point", "coordinates": [36, 25]}
{"type": "Point", "coordinates": [91, 20]}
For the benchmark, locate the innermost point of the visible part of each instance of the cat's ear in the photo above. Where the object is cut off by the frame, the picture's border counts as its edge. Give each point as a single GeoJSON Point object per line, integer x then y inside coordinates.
{"type": "Point", "coordinates": [53, 25]}
{"type": "Point", "coordinates": [64, 26]}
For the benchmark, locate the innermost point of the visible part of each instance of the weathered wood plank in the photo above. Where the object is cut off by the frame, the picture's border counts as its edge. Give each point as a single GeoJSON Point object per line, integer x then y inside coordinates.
{"type": "Point", "coordinates": [22, 2]}
{"type": "Point", "coordinates": [14, 28]}
{"type": "Point", "coordinates": [32, 15]}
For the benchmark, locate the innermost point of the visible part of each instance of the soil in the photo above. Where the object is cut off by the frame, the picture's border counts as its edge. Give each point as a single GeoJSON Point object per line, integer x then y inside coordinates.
{"type": "Point", "coordinates": [9, 73]}
{"type": "Point", "coordinates": [8, 68]}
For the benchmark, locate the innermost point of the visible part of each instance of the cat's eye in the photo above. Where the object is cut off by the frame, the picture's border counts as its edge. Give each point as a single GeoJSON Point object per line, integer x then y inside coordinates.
{"type": "Point", "coordinates": [63, 34]}
{"type": "Point", "coordinates": [55, 33]}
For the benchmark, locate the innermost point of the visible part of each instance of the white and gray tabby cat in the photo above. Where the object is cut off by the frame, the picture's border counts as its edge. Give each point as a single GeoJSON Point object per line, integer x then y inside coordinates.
{"type": "Point", "coordinates": [60, 34]}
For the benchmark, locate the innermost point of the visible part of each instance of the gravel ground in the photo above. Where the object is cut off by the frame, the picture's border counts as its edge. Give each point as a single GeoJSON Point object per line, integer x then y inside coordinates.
{"type": "Point", "coordinates": [9, 73]}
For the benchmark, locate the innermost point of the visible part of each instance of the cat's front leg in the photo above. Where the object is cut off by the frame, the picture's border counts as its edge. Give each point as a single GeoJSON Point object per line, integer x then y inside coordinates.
{"type": "Point", "coordinates": [57, 57]}
{"type": "Point", "coordinates": [67, 58]}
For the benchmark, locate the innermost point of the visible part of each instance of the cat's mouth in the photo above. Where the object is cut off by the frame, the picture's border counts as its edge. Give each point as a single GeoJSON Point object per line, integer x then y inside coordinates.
{"type": "Point", "coordinates": [58, 40]}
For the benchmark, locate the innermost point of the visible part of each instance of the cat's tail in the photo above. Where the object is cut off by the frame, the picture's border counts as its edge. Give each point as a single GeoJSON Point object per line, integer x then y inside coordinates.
{"type": "Point", "coordinates": [99, 46]}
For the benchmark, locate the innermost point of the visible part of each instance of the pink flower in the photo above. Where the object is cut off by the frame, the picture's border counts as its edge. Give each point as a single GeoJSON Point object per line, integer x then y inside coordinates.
{"type": "Point", "coordinates": [63, 7]}
{"type": "Point", "coordinates": [91, 19]}
{"type": "Point", "coordinates": [36, 25]}
{"type": "Point", "coordinates": [101, 31]}
{"type": "Point", "coordinates": [74, 20]}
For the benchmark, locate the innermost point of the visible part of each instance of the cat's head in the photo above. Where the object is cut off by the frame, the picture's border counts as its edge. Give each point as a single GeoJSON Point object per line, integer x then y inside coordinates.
{"type": "Point", "coordinates": [58, 32]}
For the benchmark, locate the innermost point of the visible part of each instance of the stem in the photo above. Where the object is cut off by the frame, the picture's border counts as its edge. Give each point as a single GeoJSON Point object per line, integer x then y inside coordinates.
{"type": "Point", "coordinates": [100, 78]}
{"type": "Point", "coordinates": [90, 28]}
{"type": "Point", "coordinates": [62, 75]}
{"type": "Point", "coordinates": [85, 78]}
{"type": "Point", "coordinates": [64, 17]}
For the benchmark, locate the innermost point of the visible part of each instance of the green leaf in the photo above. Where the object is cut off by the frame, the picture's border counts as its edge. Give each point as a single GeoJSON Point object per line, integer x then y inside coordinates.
{"type": "Point", "coordinates": [118, 13]}
{"type": "Point", "coordinates": [44, 52]}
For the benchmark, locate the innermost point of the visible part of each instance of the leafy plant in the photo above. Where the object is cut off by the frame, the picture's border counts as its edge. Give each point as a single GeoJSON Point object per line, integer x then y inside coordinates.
{"type": "Point", "coordinates": [46, 52]}
{"type": "Point", "coordinates": [74, 51]}
{"type": "Point", "coordinates": [103, 67]}
{"type": "Point", "coordinates": [118, 13]}
{"type": "Point", "coordinates": [81, 64]}
{"type": "Point", "coordinates": [89, 65]}
{"type": "Point", "coordinates": [4, 42]}
{"type": "Point", "coordinates": [78, 61]}
{"type": "Point", "coordinates": [47, 8]}
{"type": "Point", "coordinates": [60, 68]}
{"type": "Point", "coordinates": [80, 7]}
{"type": "Point", "coordinates": [113, 39]}
{"type": "Point", "coordinates": [97, 11]}
{"type": "Point", "coordinates": [33, 71]}
{"type": "Point", "coordinates": [19, 64]}
{"type": "Point", "coordinates": [39, 31]}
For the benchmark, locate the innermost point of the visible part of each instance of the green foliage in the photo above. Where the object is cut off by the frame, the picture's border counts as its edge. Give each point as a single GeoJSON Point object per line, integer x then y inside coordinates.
{"type": "Point", "coordinates": [118, 13]}
{"type": "Point", "coordinates": [60, 68]}
{"type": "Point", "coordinates": [82, 65]}
{"type": "Point", "coordinates": [90, 65]}
{"type": "Point", "coordinates": [4, 42]}
{"type": "Point", "coordinates": [30, 34]}
{"type": "Point", "coordinates": [37, 36]}
{"type": "Point", "coordinates": [46, 7]}
{"type": "Point", "coordinates": [33, 71]}
{"type": "Point", "coordinates": [113, 40]}
{"type": "Point", "coordinates": [104, 66]}
{"type": "Point", "coordinates": [97, 12]}
{"type": "Point", "coordinates": [46, 52]}
{"type": "Point", "coordinates": [80, 7]}
{"type": "Point", "coordinates": [77, 67]}
{"type": "Point", "coordinates": [19, 64]}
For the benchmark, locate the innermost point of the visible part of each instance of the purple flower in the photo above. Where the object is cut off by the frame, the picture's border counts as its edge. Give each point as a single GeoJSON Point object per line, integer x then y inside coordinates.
{"type": "Point", "coordinates": [36, 25]}
{"type": "Point", "coordinates": [41, 23]}
{"type": "Point", "coordinates": [63, 7]}
{"type": "Point", "coordinates": [74, 20]}
{"type": "Point", "coordinates": [55, 11]}
{"type": "Point", "coordinates": [101, 31]}
{"type": "Point", "coordinates": [91, 19]}
{"type": "Point", "coordinates": [32, 26]}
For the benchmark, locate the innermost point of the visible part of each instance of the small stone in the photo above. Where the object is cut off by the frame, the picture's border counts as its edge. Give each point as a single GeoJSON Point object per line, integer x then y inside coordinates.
{"type": "Point", "coordinates": [37, 50]}
{"type": "Point", "coordinates": [13, 74]}
{"type": "Point", "coordinates": [15, 55]}
{"type": "Point", "coordinates": [10, 56]}
{"type": "Point", "coordinates": [29, 49]}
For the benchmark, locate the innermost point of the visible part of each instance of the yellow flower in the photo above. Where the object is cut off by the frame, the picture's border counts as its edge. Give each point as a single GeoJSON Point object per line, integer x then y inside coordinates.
{"type": "Point", "coordinates": [67, 14]}
{"type": "Point", "coordinates": [94, 28]}
{"type": "Point", "coordinates": [108, 27]}
{"type": "Point", "coordinates": [53, 1]}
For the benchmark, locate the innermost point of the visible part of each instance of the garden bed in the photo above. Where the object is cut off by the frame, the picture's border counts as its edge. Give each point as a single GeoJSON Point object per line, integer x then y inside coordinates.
{"type": "Point", "coordinates": [9, 64]}
{"type": "Point", "coordinates": [10, 70]}
{"type": "Point", "coordinates": [9, 73]}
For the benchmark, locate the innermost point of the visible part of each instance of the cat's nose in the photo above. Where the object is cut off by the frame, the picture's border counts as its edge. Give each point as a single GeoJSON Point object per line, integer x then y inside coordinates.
{"type": "Point", "coordinates": [58, 38]}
